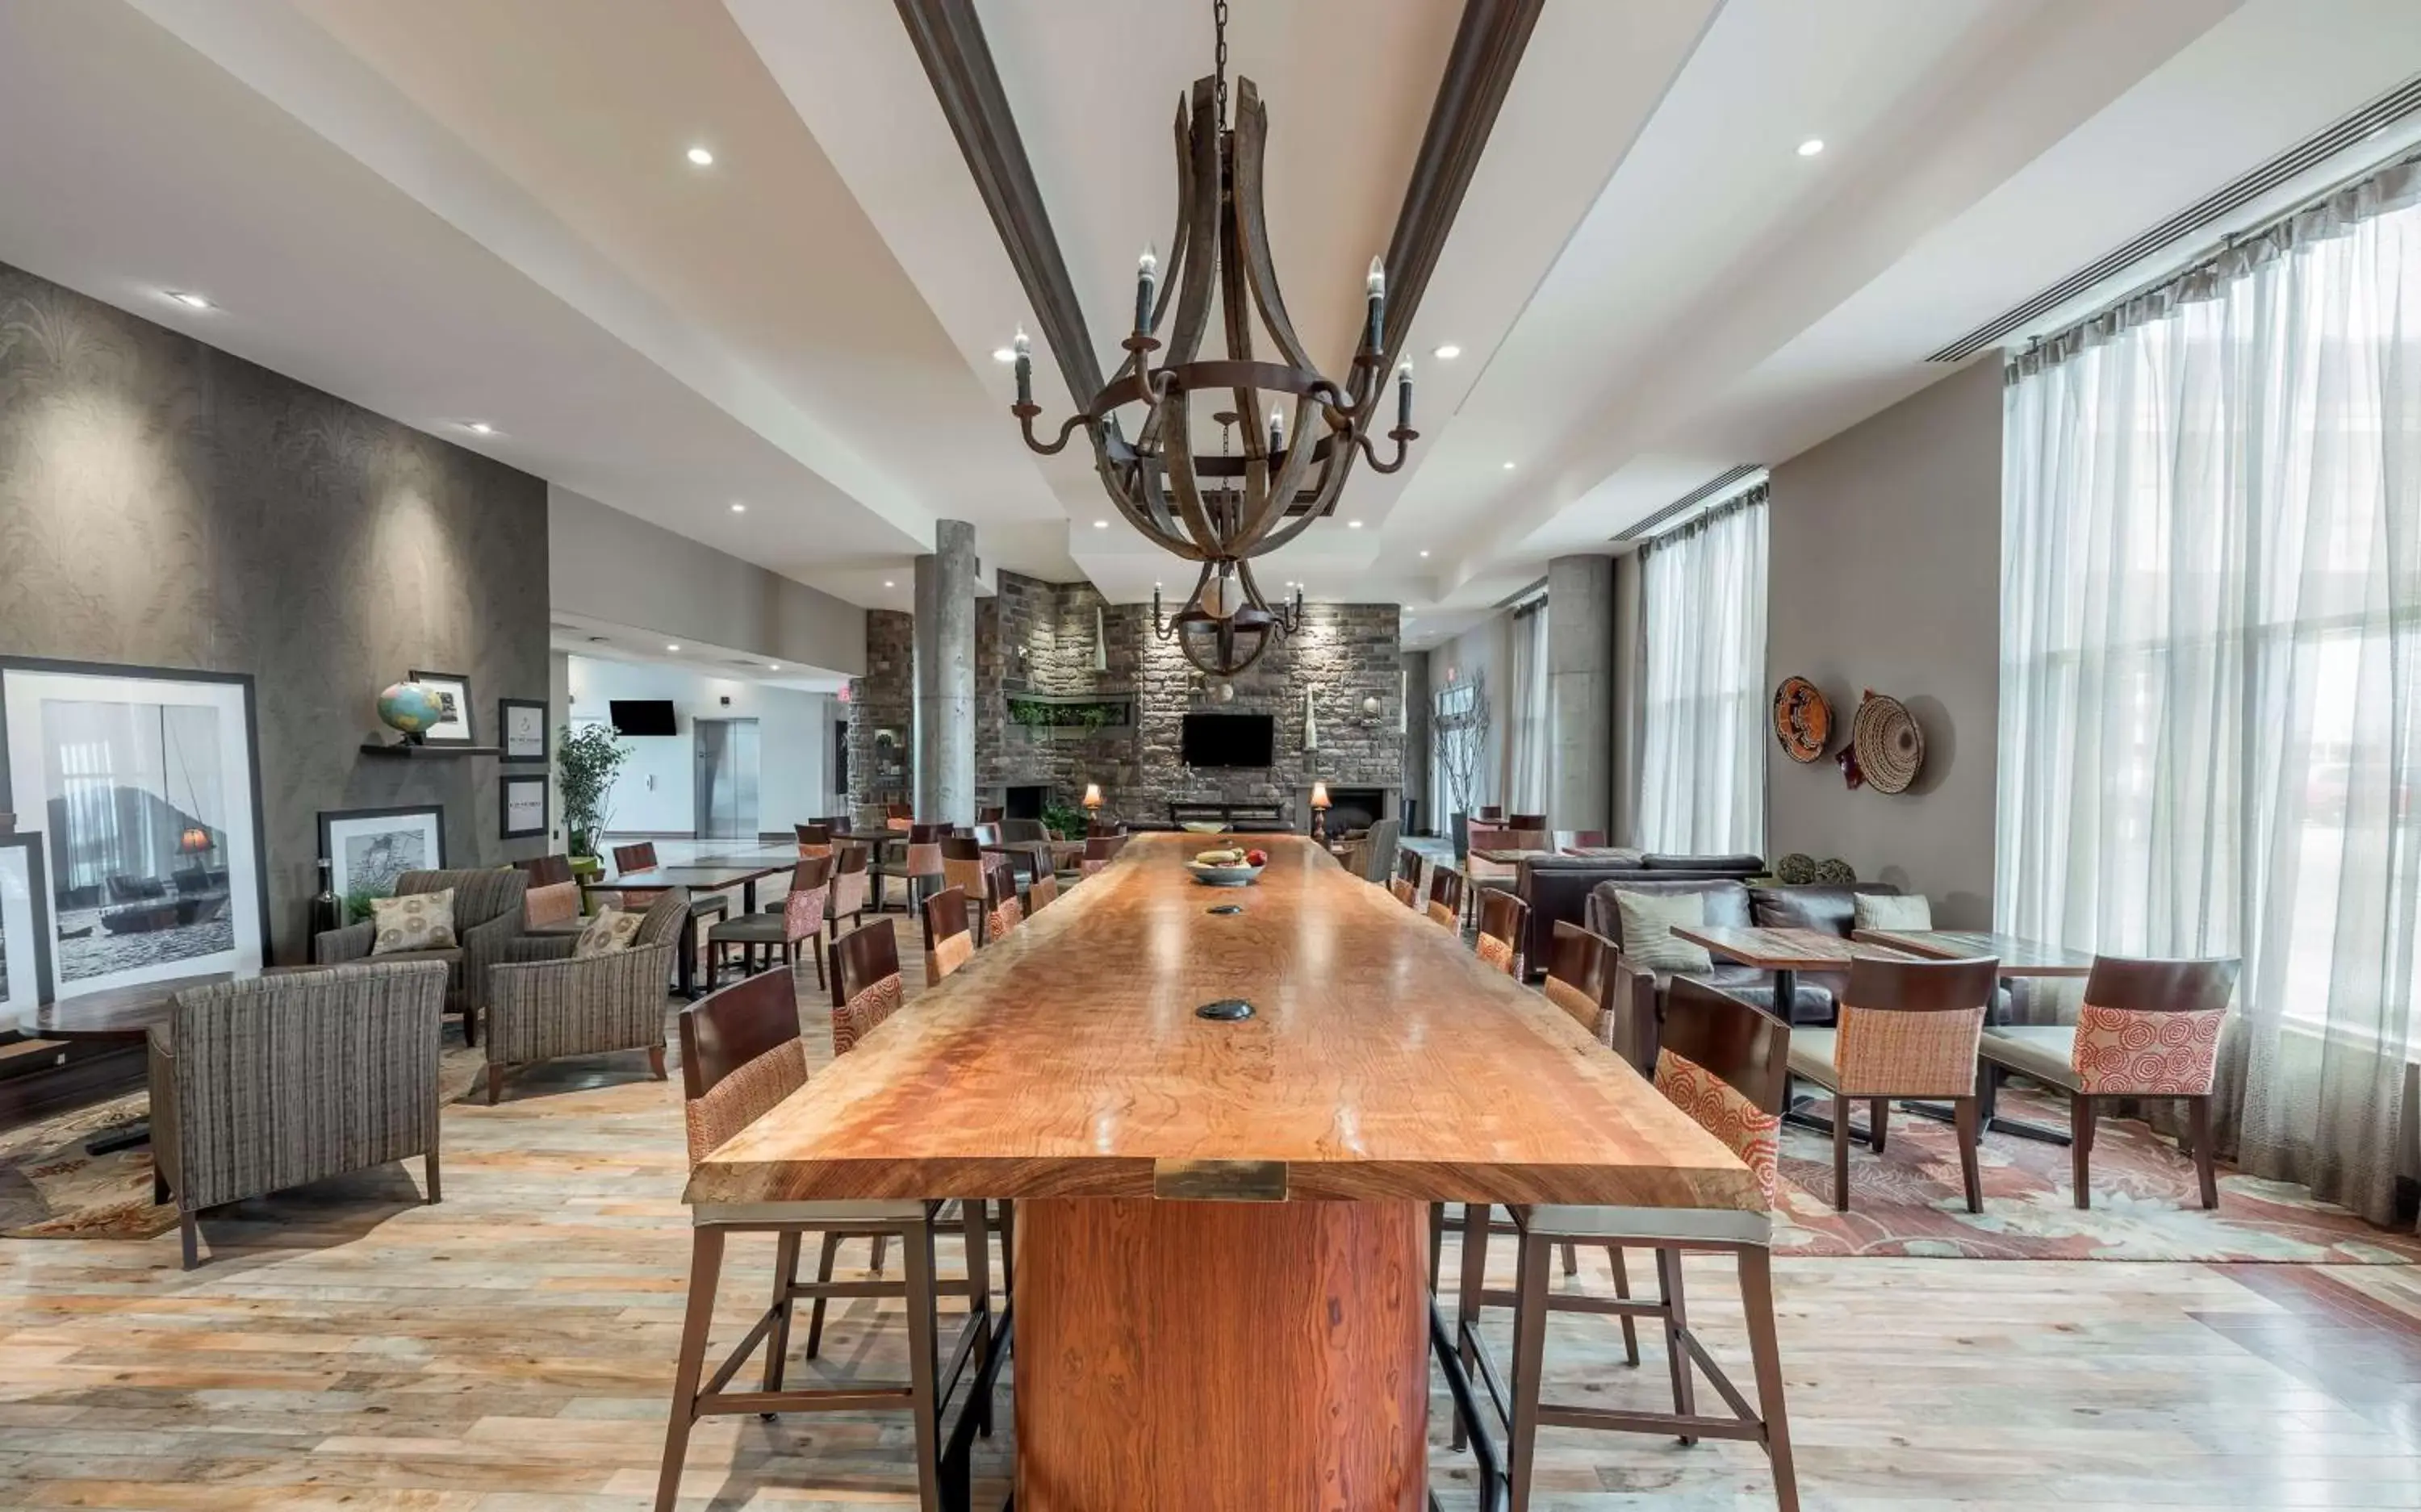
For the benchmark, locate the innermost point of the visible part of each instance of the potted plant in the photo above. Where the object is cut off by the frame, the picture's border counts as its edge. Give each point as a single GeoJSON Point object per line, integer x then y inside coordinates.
{"type": "Point", "coordinates": [586, 761]}
{"type": "Point", "coordinates": [1459, 739]}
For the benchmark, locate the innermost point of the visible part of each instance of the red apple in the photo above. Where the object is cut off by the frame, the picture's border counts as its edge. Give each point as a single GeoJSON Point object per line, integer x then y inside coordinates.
{"type": "Point", "coordinates": [1256, 858]}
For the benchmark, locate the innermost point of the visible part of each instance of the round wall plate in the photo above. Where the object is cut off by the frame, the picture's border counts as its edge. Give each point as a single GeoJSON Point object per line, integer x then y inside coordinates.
{"type": "Point", "coordinates": [1227, 1010]}
{"type": "Point", "coordinates": [1225, 908]}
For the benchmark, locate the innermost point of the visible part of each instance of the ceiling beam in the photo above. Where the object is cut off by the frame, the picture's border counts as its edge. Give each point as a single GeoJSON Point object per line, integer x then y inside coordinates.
{"type": "Point", "coordinates": [1488, 46]}
{"type": "Point", "coordinates": [949, 41]}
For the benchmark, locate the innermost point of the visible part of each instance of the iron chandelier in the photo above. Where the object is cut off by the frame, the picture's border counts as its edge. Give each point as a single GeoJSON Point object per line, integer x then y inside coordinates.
{"type": "Point", "coordinates": [1223, 509]}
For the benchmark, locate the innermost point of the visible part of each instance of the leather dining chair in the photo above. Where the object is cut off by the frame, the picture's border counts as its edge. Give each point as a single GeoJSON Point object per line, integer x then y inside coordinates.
{"type": "Point", "coordinates": [1723, 1063]}
{"type": "Point", "coordinates": [741, 1056]}
{"type": "Point", "coordinates": [1906, 1029]}
{"type": "Point", "coordinates": [1581, 981]}
{"type": "Point", "coordinates": [2148, 1029]}
{"type": "Point", "coordinates": [1446, 897]}
{"type": "Point", "coordinates": [1503, 924]}
{"type": "Point", "coordinates": [949, 942]}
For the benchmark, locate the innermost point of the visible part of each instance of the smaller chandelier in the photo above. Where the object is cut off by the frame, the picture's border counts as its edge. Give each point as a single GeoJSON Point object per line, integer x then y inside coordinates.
{"type": "Point", "coordinates": [1223, 509]}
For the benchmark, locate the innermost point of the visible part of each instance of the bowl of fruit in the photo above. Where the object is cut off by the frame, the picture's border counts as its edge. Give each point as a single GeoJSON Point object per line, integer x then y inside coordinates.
{"type": "Point", "coordinates": [1227, 867]}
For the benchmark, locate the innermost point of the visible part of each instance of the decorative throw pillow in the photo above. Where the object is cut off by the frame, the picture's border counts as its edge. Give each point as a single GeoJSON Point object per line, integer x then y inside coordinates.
{"type": "Point", "coordinates": [612, 930]}
{"type": "Point", "coordinates": [1893, 910]}
{"type": "Point", "coordinates": [1647, 939]}
{"type": "Point", "coordinates": [416, 921]}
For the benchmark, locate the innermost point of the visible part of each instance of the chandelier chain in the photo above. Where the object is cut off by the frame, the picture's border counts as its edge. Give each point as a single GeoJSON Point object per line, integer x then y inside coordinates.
{"type": "Point", "coordinates": [1219, 26]}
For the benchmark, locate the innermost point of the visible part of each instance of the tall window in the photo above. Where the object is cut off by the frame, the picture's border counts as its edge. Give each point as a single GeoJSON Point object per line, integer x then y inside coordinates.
{"type": "Point", "coordinates": [1702, 723]}
{"type": "Point", "coordinates": [2210, 689]}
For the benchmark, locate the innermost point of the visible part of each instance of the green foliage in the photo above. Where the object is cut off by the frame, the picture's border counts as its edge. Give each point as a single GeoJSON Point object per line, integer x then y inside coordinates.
{"type": "Point", "coordinates": [586, 761]}
{"type": "Point", "coordinates": [357, 904]}
{"type": "Point", "coordinates": [1066, 822]}
{"type": "Point", "coordinates": [1089, 716]}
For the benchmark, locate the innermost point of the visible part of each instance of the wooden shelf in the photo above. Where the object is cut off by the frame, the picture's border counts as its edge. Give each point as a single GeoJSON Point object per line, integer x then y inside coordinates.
{"type": "Point", "coordinates": [381, 748]}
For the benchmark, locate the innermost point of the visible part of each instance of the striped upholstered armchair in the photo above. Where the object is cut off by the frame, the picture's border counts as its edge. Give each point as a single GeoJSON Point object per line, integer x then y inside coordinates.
{"type": "Point", "coordinates": [290, 1078]}
{"type": "Point", "coordinates": [544, 1003]}
{"type": "Point", "coordinates": [488, 915]}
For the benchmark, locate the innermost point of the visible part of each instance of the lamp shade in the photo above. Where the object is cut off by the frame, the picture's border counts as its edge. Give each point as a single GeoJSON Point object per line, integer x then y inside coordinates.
{"type": "Point", "coordinates": [194, 840]}
{"type": "Point", "coordinates": [1319, 795]}
{"type": "Point", "coordinates": [1092, 795]}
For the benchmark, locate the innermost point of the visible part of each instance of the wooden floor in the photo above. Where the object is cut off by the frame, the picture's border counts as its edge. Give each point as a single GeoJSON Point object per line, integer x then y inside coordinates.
{"type": "Point", "coordinates": [511, 1350]}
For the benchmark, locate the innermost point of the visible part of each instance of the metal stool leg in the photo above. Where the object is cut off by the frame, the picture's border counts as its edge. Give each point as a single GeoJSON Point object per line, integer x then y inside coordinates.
{"type": "Point", "coordinates": [705, 1269]}
{"type": "Point", "coordinates": [1676, 1320]}
{"type": "Point", "coordinates": [816, 1313]}
{"type": "Point", "coordinates": [1757, 1300]}
{"type": "Point", "coordinates": [923, 1364]}
{"type": "Point", "coordinates": [786, 1275]}
{"type": "Point", "coordinates": [1467, 1305]}
{"type": "Point", "coordinates": [1622, 1291]}
{"type": "Point", "coordinates": [1529, 1368]}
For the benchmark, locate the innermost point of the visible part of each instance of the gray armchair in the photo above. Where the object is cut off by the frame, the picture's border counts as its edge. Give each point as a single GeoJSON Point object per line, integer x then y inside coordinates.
{"type": "Point", "coordinates": [488, 915]}
{"type": "Point", "coordinates": [543, 1003]}
{"type": "Point", "coordinates": [289, 1078]}
{"type": "Point", "coordinates": [1371, 855]}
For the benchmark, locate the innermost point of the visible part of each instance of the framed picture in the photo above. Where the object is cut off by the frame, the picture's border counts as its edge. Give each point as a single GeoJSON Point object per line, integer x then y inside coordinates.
{"type": "Point", "coordinates": [453, 690]}
{"type": "Point", "coordinates": [368, 849]}
{"type": "Point", "coordinates": [521, 726]}
{"type": "Point", "coordinates": [524, 806]}
{"type": "Point", "coordinates": [145, 786]}
{"type": "Point", "coordinates": [25, 931]}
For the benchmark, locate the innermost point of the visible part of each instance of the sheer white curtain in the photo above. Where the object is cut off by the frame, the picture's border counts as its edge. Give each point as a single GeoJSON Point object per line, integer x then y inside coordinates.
{"type": "Point", "coordinates": [1525, 734]}
{"type": "Point", "coordinates": [1702, 721]}
{"type": "Point", "coordinates": [2210, 672]}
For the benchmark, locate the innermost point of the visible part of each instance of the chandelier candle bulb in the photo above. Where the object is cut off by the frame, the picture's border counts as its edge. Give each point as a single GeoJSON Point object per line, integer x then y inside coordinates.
{"type": "Point", "coordinates": [1277, 432]}
{"type": "Point", "coordinates": [1024, 347]}
{"type": "Point", "coordinates": [1404, 397]}
{"type": "Point", "coordinates": [1376, 285]}
{"type": "Point", "coordinates": [1147, 276]}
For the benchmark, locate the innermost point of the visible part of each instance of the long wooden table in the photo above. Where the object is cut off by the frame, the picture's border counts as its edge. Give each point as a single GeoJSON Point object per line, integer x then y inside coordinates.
{"type": "Point", "coordinates": [1222, 1228]}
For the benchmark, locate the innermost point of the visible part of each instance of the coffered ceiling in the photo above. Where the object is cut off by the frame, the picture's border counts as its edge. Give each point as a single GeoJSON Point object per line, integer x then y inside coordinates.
{"type": "Point", "coordinates": [485, 210]}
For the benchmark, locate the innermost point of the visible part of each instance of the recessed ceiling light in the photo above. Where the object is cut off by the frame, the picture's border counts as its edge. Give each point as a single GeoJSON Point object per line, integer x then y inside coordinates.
{"type": "Point", "coordinates": [739, 508]}
{"type": "Point", "coordinates": [888, 583]}
{"type": "Point", "coordinates": [1353, 525]}
{"type": "Point", "coordinates": [191, 301]}
{"type": "Point", "coordinates": [1100, 525]}
{"type": "Point", "coordinates": [700, 156]}
{"type": "Point", "coordinates": [772, 666]}
{"type": "Point", "coordinates": [1508, 467]}
{"type": "Point", "coordinates": [1811, 147]}
{"type": "Point", "coordinates": [1447, 352]}
{"type": "Point", "coordinates": [672, 648]}
{"type": "Point", "coordinates": [480, 428]}
{"type": "Point", "coordinates": [1424, 554]}
{"type": "Point", "coordinates": [1003, 355]}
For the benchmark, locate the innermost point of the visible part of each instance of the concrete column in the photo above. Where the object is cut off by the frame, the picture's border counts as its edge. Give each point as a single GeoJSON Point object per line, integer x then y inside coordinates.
{"type": "Point", "coordinates": [944, 750]}
{"type": "Point", "coordinates": [1580, 691]}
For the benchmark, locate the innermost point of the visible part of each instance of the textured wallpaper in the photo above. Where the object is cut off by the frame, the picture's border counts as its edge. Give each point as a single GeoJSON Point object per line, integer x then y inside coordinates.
{"type": "Point", "coordinates": [163, 504]}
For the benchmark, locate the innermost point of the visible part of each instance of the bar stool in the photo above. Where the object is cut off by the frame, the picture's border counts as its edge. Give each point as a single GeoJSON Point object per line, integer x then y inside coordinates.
{"type": "Point", "coordinates": [1906, 1029]}
{"type": "Point", "coordinates": [1099, 851]}
{"type": "Point", "coordinates": [1723, 1063]}
{"type": "Point", "coordinates": [1405, 884]}
{"type": "Point", "coordinates": [741, 1056]}
{"type": "Point", "coordinates": [968, 866]}
{"type": "Point", "coordinates": [2148, 1029]}
{"type": "Point", "coordinates": [948, 943]}
{"type": "Point", "coordinates": [800, 921]}
{"type": "Point", "coordinates": [1503, 924]}
{"type": "Point", "coordinates": [1041, 892]}
{"type": "Point", "coordinates": [1445, 897]}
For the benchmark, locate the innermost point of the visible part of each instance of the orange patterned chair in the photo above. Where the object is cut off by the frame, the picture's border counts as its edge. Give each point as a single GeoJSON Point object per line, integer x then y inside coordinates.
{"type": "Point", "coordinates": [2148, 1029]}
{"type": "Point", "coordinates": [1907, 1029]}
{"type": "Point", "coordinates": [1722, 1062]}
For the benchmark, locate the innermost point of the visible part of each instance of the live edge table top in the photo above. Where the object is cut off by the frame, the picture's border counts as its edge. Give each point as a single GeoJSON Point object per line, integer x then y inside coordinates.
{"type": "Point", "coordinates": [1384, 1061]}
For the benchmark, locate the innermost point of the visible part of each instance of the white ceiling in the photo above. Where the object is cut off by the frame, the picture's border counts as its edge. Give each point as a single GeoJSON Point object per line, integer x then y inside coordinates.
{"type": "Point", "coordinates": [479, 210]}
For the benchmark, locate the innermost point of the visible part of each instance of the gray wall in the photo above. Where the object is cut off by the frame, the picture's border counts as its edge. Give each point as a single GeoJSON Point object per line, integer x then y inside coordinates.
{"type": "Point", "coordinates": [1629, 684]}
{"type": "Point", "coordinates": [618, 567]}
{"type": "Point", "coordinates": [1887, 548]}
{"type": "Point", "coordinates": [163, 504]}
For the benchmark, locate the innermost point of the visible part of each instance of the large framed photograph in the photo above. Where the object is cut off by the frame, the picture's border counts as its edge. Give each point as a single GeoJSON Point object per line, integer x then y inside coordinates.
{"type": "Point", "coordinates": [453, 692]}
{"type": "Point", "coordinates": [520, 725]}
{"type": "Point", "coordinates": [368, 849]}
{"type": "Point", "coordinates": [145, 786]}
{"type": "Point", "coordinates": [25, 931]}
{"type": "Point", "coordinates": [524, 805]}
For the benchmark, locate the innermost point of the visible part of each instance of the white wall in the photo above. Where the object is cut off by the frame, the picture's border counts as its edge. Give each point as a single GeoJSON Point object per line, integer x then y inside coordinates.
{"type": "Point", "coordinates": [655, 792]}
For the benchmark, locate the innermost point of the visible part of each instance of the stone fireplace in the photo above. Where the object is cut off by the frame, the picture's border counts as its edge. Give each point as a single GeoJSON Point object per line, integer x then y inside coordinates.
{"type": "Point", "coordinates": [1351, 807]}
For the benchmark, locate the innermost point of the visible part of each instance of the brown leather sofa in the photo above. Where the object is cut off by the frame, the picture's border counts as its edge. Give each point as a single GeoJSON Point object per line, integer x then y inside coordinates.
{"type": "Point", "coordinates": [1640, 994]}
{"type": "Point", "coordinates": [1559, 887]}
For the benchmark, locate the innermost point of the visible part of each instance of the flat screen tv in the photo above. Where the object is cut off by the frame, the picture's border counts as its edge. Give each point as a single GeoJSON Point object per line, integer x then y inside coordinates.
{"type": "Point", "coordinates": [642, 716]}
{"type": "Point", "coordinates": [1230, 740]}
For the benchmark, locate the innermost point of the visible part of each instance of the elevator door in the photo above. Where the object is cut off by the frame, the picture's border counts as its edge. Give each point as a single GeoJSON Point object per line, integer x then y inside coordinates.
{"type": "Point", "coordinates": [727, 779]}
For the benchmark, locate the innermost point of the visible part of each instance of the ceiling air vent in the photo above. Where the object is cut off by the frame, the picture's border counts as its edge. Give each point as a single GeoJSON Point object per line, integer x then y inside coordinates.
{"type": "Point", "coordinates": [2339, 137]}
{"type": "Point", "coordinates": [1724, 482]}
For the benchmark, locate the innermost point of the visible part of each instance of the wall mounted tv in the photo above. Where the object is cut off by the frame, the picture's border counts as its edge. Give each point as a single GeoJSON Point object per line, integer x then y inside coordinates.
{"type": "Point", "coordinates": [642, 716]}
{"type": "Point", "coordinates": [1230, 740]}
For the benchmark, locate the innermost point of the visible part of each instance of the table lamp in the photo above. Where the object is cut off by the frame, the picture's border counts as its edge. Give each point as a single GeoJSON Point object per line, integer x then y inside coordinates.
{"type": "Point", "coordinates": [1092, 798]}
{"type": "Point", "coordinates": [1319, 811]}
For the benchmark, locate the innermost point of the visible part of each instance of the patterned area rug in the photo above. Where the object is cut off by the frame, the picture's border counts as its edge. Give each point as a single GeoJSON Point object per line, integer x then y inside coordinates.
{"type": "Point", "coordinates": [52, 1188]}
{"type": "Point", "coordinates": [1907, 1201]}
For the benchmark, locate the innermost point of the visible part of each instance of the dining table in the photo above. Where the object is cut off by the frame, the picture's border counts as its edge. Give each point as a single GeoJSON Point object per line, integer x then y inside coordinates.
{"type": "Point", "coordinates": [2019, 959]}
{"type": "Point", "coordinates": [700, 874]}
{"type": "Point", "coordinates": [1223, 1115]}
{"type": "Point", "coordinates": [1784, 953]}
